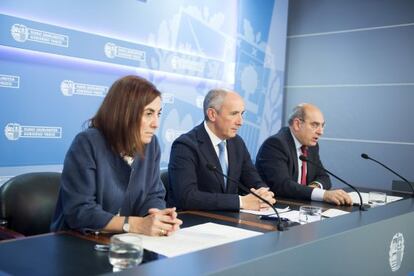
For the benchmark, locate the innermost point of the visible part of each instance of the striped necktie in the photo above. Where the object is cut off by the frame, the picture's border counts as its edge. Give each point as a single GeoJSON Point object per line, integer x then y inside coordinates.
{"type": "Point", "coordinates": [304, 150]}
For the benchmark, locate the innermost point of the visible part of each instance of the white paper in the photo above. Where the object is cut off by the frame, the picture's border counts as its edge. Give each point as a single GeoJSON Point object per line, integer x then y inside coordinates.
{"type": "Point", "coordinates": [196, 238]}
{"type": "Point", "coordinates": [330, 213]}
{"type": "Point", "coordinates": [365, 197]}
{"type": "Point", "coordinates": [266, 212]}
{"type": "Point", "coordinates": [290, 215]}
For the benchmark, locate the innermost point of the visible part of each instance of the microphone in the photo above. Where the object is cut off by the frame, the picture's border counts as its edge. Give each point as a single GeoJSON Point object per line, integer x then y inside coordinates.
{"type": "Point", "coordinates": [365, 156]}
{"type": "Point", "coordinates": [362, 206]}
{"type": "Point", "coordinates": [213, 168]}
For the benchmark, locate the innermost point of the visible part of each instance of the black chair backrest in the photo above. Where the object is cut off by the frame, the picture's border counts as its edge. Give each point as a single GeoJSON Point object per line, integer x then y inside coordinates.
{"type": "Point", "coordinates": [27, 202]}
{"type": "Point", "coordinates": [164, 179]}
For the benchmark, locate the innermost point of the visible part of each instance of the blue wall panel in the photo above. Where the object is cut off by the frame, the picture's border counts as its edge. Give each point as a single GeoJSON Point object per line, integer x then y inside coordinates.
{"type": "Point", "coordinates": [354, 59]}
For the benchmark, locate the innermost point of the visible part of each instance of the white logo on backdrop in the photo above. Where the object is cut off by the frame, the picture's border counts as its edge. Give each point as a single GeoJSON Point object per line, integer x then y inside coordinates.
{"type": "Point", "coordinates": [14, 131]}
{"type": "Point", "coordinates": [70, 88]}
{"type": "Point", "coordinates": [9, 81]}
{"type": "Point", "coordinates": [112, 51]}
{"type": "Point", "coordinates": [190, 63]}
{"type": "Point", "coordinates": [21, 33]}
{"type": "Point", "coordinates": [396, 252]}
{"type": "Point", "coordinates": [66, 87]}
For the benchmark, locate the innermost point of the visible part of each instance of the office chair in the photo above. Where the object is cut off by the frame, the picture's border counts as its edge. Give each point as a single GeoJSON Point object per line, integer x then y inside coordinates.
{"type": "Point", "coordinates": [164, 179]}
{"type": "Point", "coordinates": [27, 202]}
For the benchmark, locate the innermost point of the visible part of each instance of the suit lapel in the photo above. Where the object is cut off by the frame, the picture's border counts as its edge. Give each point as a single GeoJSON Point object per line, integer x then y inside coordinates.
{"type": "Point", "coordinates": [231, 155]}
{"type": "Point", "coordinates": [293, 153]}
{"type": "Point", "coordinates": [207, 150]}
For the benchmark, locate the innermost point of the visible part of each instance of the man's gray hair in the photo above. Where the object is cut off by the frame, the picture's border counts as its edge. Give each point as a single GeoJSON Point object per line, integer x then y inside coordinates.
{"type": "Point", "coordinates": [214, 99]}
{"type": "Point", "coordinates": [297, 112]}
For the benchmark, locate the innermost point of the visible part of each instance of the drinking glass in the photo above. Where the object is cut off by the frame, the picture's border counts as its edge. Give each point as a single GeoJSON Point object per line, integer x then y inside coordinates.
{"type": "Point", "coordinates": [125, 251]}
{"type": "Point", "coordinates": [309, 214]}
{"type": "Point", "coordinates": [377, 198]}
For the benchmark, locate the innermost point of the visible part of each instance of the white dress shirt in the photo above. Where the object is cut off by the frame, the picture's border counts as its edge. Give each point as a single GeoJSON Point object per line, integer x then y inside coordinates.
{"type": "Point", "coordinates": [317, 193]}
{"type": "Point", "coordinates": [215, 141]}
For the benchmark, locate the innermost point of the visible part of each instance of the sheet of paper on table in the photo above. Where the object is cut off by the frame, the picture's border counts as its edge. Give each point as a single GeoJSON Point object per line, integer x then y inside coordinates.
{"type": "Point", "coordinates": [195, 238]}
{"type": "Point", "coordinates": [365, 197]}
{"type": "Point", "coordinates": [266, 212]}
{"type": "Point", "coordinates": [292, 215]}
{"type": "Point", "coordinates": [330, 213]}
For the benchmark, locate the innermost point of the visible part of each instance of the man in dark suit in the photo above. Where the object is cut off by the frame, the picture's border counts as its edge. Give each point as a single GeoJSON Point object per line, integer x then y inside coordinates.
{"type": "Point", "coordinates": [215, 141]}
{"type": "Point", "coordinates": [279, 165]}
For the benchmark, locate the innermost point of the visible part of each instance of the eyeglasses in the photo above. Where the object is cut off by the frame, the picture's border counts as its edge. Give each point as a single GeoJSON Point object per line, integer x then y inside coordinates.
{"type": "Point", "coordinates": [314, 125]}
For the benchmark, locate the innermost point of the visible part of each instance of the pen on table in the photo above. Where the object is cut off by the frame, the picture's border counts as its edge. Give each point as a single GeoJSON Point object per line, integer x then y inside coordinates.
{"type": "Point", "coordinates": [102, 247]}
{"type": "Point", "coordinates": [272, 218]}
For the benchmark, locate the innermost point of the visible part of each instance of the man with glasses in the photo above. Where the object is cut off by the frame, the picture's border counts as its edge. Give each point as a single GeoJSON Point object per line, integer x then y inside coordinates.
{"type": "Point", "coordinates": [279, 165]}
{"type": "Point", "coordinates": [199, 158]}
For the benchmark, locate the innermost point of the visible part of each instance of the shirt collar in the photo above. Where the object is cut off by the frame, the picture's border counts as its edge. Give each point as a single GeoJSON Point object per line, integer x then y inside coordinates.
{"type": "Point", "coordinates": [214, 139]}
{"type": "Point", "coordinates": [128, 159]}
{"type": "Point", "coordinates": [298, 145]}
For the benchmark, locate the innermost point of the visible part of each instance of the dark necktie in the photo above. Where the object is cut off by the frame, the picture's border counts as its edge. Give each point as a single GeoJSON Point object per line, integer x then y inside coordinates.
{"type": "Point", "coordinates": [304, 150]}
{"type": "Point", "coordinates": [222, 159]}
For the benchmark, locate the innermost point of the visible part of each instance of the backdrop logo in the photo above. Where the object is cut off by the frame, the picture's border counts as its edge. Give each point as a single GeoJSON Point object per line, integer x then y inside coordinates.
{"type": "Point", "coordinates": [14, 131]}
{"type": "Point", "coordinates": [70, 88]}
{"type": "Point", "coordinates": [21, 33]}
{"type": "Point", "coordinates": [396, 253]}
{"type": "Point", "coordinates": [9, 81]}
{"type": "Point", "coordinates": [189, 63]}
{"type": "Point", "coordinates": [112, 51]}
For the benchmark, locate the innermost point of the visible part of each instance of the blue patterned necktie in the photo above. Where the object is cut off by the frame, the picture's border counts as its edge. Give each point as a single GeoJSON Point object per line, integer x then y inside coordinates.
{"type": "Point", "coordinates": [222, 159]}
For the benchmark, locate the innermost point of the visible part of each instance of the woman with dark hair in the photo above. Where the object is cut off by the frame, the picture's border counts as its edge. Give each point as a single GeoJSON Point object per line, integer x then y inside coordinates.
{"type": "Point", "coordinates": [111, 177]}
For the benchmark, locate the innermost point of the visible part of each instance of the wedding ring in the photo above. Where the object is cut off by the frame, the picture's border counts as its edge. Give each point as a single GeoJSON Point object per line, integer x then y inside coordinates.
{"type": "Point", "coordinates": [162, 232]}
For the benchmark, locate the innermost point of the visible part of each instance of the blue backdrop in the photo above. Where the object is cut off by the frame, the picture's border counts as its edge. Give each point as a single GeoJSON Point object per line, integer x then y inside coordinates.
{"type": "Point", "coordinates": [58, 59]}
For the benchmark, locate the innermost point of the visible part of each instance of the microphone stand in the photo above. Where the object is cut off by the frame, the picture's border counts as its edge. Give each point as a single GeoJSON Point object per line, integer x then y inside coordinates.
{"type": "Point", "coordinates": [362, 206]}
{"type": "Point", "coordinates": [365, 156]}
{"type": "Point", "coordinates": [280, 226]}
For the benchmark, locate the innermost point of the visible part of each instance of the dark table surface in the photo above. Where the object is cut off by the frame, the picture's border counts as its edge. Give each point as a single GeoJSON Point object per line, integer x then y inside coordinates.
{"type": "Point", "coordinates": [72, 253]}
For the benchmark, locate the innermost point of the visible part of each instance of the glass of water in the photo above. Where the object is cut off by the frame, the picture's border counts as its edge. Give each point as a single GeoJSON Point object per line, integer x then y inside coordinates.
{"type": "Point", "coordinates": [377, 198]}
{"type": "Point", "coordinates": [125, 251]}
{"type": "Point", "coordinates": [309, 214]}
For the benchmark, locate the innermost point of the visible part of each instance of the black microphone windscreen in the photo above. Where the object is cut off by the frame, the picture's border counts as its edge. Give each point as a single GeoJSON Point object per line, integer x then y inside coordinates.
{"type": "Point", "coordinates": [211, 167]}
{"type": "Point", "coordinates": [303, 158]}
{"type": "Point", "coordinates": [365, 156]}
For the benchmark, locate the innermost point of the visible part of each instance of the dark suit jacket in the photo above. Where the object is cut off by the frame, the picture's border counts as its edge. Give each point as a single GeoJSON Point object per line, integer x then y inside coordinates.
{"type": "Point", "coordinates": [194, 186]}
{"type": "Point", "coordinates": [277, 164]}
